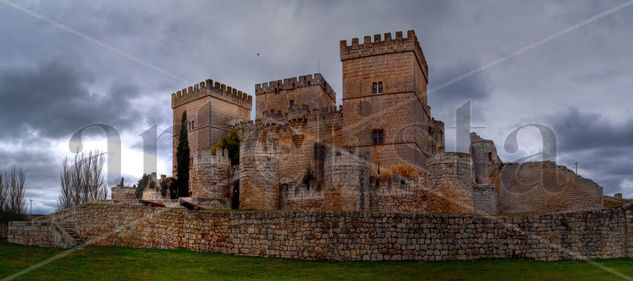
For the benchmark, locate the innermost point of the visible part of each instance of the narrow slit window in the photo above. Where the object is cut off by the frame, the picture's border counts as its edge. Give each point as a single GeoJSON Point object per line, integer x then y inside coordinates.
{"type": "Point", "coordinates": [374, 88]}
{"type": "Point", "coordinates": [380, 87]}
{"type": "Point", "coordinates": [378, 136]}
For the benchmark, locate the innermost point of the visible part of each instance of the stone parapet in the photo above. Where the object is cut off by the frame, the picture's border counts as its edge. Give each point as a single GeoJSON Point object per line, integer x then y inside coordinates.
{"type": "Point", "coordinates": [215, 89]}
{"type": "Point", "coordinates": [386, 45]}
{"type": "Point", "coordinates": [287, 84]}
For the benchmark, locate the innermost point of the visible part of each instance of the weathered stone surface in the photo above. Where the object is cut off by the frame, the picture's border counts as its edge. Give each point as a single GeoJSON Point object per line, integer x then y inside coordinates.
{"type": "Point", "coordinates": [121, 193]}
{"type": "Point", "coordinates": [40, 233]}
{"type": "Point", "coordinates": [485, 198]}
{"type": "Point", "coordinates": [355, 235]}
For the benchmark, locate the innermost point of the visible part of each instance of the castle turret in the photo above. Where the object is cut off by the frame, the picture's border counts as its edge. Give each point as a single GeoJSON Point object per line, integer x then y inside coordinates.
{"type": "Point", "coordinates": [486, 162]}
{"type": "Point", "coordinates": [346, 181]}
{"type": "Point", "coordinates": [210, 174]}
{"type": "Point", "coordinates": [451, 183]}
{"type": "Point", "coordinates": [259, 170]}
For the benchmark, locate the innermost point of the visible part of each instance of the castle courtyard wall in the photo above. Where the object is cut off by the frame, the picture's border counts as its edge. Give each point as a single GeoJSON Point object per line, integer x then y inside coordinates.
{"type": "Point", "coordinates": [545, 187]}
{"type": "Point", "coordinates": [359, 236]}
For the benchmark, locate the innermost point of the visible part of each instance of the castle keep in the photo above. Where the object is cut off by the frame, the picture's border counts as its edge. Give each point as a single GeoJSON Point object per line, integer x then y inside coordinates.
{"type": "Point", "coordinates": [381, 150]}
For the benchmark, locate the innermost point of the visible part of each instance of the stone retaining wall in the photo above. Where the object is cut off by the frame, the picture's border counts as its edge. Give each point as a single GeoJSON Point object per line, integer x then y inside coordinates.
{"type": "Point", "coordinates": [39, 233]}
{"type": "Point", "coordinates": [358, 236]}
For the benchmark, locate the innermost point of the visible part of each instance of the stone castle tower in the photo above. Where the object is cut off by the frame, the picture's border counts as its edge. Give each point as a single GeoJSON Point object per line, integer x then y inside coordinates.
{"type": "Point", "coordinates": [210, 107]}
{"type": "Point", "coordinates": [385, 99]}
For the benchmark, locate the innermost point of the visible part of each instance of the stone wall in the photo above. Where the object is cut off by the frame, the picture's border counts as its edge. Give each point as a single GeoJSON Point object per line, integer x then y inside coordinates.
{"type": "Point", "coordinates": [123, 193]}
{"type": "Point", "coordinates": [40, 233]}
{"type": "Point", "coordinates": [358, 236]}
{"type": "Point", "coordinates": [545, 187]}
{"type": "Point", "coordinates": [629, 228]}
{"type": "Point", "coordinates": [485, 198]}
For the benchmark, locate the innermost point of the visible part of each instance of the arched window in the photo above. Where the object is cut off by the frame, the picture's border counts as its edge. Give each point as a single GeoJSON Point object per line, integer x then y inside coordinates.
{"type": "Point", "coordinates": [374, 88]}
{"type": "Point", "coordinates": [291, 103]}
{"type": "Point", "coordinates": [380, 87]}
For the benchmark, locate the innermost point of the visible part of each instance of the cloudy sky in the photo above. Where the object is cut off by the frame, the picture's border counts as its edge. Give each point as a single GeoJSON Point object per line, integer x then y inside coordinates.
{"type": "Point", "coordinates": [67, 64]}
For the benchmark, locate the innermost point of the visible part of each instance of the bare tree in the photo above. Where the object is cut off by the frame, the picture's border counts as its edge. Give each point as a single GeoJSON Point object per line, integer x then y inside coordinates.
{"type": "Point", "coordinates": [12, 205]}
{"type": "Point", "coordinates": [83, 180]}
{"type": "Point", "coordinates": [3, 196]}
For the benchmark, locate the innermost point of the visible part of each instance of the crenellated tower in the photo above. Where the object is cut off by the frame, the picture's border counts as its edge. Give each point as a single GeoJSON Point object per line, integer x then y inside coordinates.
{"type": "Point", "coordinates": [211, 107]}
{"type": "Point", "coordinates": [385, 100]}
{"type": "Point", "coordinates": [312, 91]}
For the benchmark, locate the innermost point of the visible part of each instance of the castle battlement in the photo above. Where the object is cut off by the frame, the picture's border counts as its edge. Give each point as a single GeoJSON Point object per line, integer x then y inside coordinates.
{"type": "Point", "coordinates": [278, 118]}
{"type": "Point", "coordinates": [294, 83]}
{"type": "Point", "coordinates": [386, 45]}
{"type": "Point", "coordinates": [211, 88]}
{"type": "Point", "coordinates": [206, 156]}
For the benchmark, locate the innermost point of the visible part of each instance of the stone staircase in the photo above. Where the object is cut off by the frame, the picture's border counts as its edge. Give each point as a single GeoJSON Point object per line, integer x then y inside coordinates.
{"type": "Point", "coordinates": [64, 227]}
{"type": "Point", "coordinates": [70, 230]}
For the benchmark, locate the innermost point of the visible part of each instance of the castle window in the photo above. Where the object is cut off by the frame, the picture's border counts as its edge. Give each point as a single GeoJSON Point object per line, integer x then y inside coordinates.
{"type": "Point", "coordinates": [378, 136]}
{"type": "Point", "coordinates": [380, 87]}
{"type": "Point", "coordinates": [489, 156]}
{"type": "Point", "coordinates": [291, 103]}
{"type": "Point", "coordinates": [374, 88]}
{"type": "Point", "coordinates": [193, 125]}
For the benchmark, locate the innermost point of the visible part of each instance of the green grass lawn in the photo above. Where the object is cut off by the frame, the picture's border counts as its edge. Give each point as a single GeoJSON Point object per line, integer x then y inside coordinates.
{"type": "Point", "coordinates": [102, 263]}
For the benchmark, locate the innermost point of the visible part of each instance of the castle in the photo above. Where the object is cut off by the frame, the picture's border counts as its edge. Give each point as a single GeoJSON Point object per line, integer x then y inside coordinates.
{"type": "Point", "coordinates": [380, 151]}
{"type": "Point", "coordinates": [369, 180]}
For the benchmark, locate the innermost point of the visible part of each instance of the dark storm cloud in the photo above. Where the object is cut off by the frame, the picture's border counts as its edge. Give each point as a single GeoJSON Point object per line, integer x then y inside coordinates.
{"type": "Point", "coordinates": [42, 171]}
{"type": "Point", "coordinates": [579, 130]}
{"type": "Point", "coordinates": [477, 88]}
{"type": "Point", "coordinates": [600, 145]}
{"type": "Point", "coordinates": [52, 82]}
{"type": "Point", "coordinates": [55, 99]}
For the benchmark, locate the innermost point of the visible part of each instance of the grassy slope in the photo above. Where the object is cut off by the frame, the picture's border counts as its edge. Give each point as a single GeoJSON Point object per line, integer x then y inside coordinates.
{"type": "Point", "coordinates": [98, 263]}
